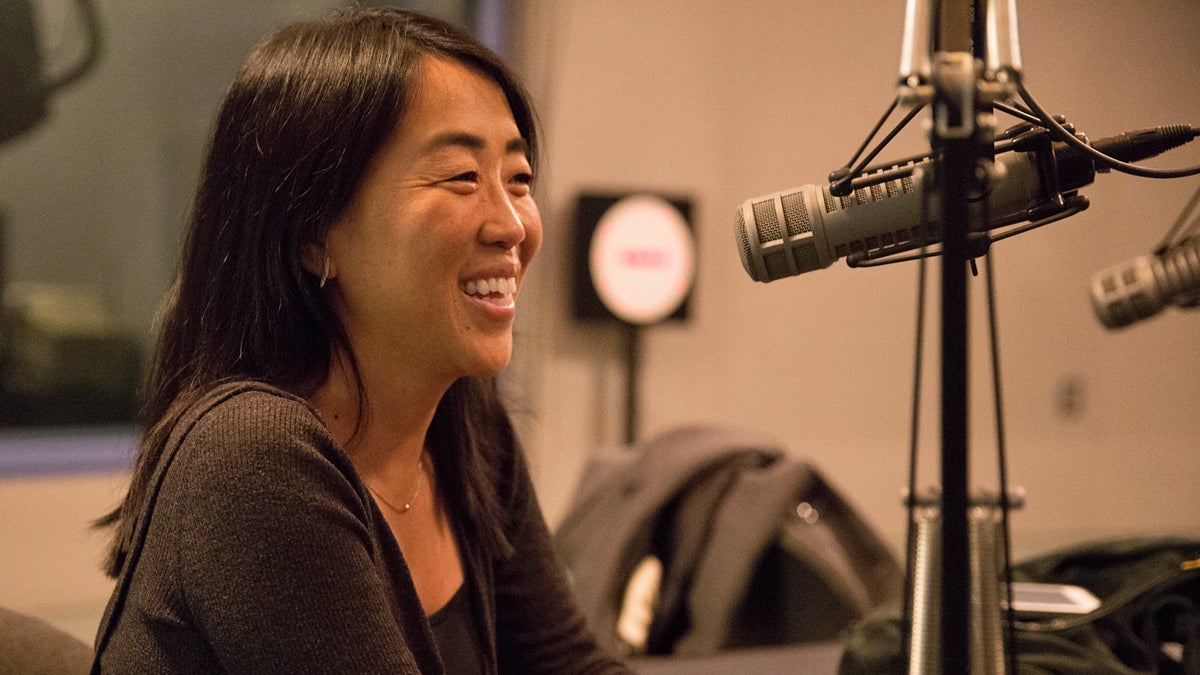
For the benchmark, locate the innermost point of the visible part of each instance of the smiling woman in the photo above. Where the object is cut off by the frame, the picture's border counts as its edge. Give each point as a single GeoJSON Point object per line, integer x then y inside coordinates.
{"type": "Point", "coordinates": [444, 212]}
{"type": "Point", "coordinates": [328, 467]}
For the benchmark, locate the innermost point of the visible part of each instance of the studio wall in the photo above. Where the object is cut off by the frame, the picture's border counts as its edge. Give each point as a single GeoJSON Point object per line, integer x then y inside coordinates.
{"type": "Point", "coordinates": [726, 101]}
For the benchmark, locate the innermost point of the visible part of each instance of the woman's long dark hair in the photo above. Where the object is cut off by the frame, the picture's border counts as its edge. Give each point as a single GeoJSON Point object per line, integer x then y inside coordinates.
{"type": "Point", "coordinates": [307, 112]}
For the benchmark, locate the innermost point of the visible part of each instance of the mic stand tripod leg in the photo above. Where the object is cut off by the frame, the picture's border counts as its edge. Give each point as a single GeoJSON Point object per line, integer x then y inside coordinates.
{"type": "Point", "coordinates": [986, 653]}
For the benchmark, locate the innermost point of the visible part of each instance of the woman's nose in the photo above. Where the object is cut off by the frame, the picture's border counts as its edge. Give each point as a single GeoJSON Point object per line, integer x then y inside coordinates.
{"type": "Point", "coordinates": [503, 225]}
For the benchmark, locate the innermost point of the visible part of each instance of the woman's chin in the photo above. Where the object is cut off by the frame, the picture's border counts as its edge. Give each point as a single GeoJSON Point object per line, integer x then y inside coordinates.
{"type": "Point", "coordinates": [492, 362]}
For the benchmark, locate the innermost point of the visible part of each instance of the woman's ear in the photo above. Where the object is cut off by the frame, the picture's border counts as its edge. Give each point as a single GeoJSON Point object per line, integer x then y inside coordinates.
{"type": "Point", "coordinates": [317, 262]}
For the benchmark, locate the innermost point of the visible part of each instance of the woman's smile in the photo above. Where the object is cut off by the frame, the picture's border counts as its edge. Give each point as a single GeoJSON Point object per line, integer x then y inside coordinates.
{"type": "Point", "coordinates": [495, 292]}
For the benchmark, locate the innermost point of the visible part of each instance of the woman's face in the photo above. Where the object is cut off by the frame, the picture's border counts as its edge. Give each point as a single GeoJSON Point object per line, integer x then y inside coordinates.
{"type": "Point", "coordinates": [427, 263]}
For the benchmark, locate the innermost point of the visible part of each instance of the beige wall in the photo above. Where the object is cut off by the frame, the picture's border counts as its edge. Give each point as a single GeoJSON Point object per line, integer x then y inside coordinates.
{"type": "Point", "coordinates": [728, 100]}
{"type": "Point", "coordinates": [49, 554]}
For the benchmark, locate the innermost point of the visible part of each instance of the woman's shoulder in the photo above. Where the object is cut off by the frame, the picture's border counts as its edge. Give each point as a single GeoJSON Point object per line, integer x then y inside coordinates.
{"type": "Point", "coordinates": [254, 423]}
{"type": "Point", "coordinates": [244, 447]}
{"type": "Point", "coordinates": [249, 406]}
{"type": "Point", "coordinates": [250, 400]}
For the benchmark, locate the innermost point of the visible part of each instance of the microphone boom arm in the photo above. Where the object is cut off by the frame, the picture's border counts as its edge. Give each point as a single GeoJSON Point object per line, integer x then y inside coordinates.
{"type": "Point", "coordinates": [978, 243]}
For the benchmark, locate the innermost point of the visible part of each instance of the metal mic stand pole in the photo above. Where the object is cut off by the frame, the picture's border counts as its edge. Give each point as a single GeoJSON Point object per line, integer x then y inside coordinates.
{"type": "Point", "coordinates": [956, 134]}
{"type": "Point", "coordinates": [957, 161]}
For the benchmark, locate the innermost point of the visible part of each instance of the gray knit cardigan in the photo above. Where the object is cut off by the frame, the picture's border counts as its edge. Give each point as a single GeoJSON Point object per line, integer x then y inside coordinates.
{"type": "Point", "coordinates": [261, 551]}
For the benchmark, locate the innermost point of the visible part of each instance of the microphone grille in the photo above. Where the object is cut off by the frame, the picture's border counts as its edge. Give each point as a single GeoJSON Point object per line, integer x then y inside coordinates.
{"type": "Point", "coordinates": [1125, 294]}
{"type": "Point", "coordinates": [795, 214]}
{"type": "Point", "coordinates": [744, 243]}
{"type": "Point", "coordinates": [775, 236]}
{"type": "Point", "coordinates": [770, 230]}
{"type": "Point", "coordinates": [767, 221]}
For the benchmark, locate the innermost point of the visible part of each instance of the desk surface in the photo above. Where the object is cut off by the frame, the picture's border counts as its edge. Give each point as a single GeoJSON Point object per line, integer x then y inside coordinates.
{"type": "Point", "coordinates": [807, 659]}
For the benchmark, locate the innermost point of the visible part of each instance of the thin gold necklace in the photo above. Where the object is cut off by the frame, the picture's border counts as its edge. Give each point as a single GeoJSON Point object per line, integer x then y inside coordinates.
{"type": "Point", "coordinates": [416, 489]}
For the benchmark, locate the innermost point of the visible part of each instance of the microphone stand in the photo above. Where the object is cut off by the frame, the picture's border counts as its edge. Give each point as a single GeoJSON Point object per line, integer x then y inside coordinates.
{"type": "Point", "coordinates": [963, 136]}
{"type": "Point", "coordinates": [962, 36]}
{"type": "Point", "coordinates": [958, 44]}
{"type": "Point", "coordinates": [959, 158]}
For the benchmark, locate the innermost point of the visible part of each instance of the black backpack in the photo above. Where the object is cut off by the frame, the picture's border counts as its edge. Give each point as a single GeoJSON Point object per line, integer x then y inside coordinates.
{"type": "Point", "coordinates": [751, 547]}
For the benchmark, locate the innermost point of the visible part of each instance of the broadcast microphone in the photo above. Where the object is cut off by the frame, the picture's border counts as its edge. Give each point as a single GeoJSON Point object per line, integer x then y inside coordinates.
{"type": "Point", "coordinates": [787, 233]}
{"type": "Point", "coordinates": [1140, 288]}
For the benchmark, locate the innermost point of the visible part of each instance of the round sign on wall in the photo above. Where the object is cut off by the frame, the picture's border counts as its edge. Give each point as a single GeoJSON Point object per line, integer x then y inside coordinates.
{"type": "Point", "coordinates": [642, 259]}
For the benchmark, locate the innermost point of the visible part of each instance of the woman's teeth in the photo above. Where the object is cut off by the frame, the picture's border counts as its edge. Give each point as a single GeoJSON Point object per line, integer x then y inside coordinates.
{"type": "Point", "coordinates": [485, 287]}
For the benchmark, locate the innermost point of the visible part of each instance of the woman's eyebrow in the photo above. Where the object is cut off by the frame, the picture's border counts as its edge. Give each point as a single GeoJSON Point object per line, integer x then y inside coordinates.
{"type": "Point", "coordinates": [517, 145]}
{"type": "Point", "coordinates": [454, 138]}
{"type": "Point", "coordinates": [472, 142]}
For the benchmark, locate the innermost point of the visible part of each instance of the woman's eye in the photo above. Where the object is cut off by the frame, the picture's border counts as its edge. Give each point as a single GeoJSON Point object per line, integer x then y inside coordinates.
{"type": "Point", "coordinates": [522, 183]}
{"type": "Point", "coordinates": [466, 176]}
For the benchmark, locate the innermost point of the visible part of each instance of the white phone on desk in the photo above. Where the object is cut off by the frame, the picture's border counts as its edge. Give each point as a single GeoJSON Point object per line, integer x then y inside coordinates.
{"type": "Point", "coordinates": [1038, 598]}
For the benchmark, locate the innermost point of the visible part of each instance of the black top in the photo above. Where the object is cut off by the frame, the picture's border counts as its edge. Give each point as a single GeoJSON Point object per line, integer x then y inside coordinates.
{"type": "Point", "coordinates": [457, 635]}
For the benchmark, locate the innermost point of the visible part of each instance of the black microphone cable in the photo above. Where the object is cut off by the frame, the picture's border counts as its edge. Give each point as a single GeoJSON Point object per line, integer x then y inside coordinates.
{"type": "Point", "coordinates": [1062, 134]}
{"type": "Point", "coordinates": [840, 179]}
{"type": "Point", "coordinates": [1002, 462]}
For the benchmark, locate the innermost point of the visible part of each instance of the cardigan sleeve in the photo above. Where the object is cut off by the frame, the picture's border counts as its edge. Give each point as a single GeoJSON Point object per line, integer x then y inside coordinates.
{"type": "Point", "coordinates": [275, 559]}
{"type": "Point", "coordinates": [539, 628]}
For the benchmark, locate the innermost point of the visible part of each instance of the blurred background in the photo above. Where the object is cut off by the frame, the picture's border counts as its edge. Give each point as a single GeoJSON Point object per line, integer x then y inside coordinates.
{"type": "Point", "coordinates": [713, 101]}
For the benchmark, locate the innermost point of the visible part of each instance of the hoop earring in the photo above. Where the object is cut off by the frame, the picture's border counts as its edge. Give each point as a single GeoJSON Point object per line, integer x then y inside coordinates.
{"type": "Point", "coordinates": [324, 272]}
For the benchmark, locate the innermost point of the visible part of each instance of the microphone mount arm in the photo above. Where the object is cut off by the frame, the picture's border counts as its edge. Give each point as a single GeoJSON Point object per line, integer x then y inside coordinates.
{"type": "Point", "coordinates": [1061, 200]}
